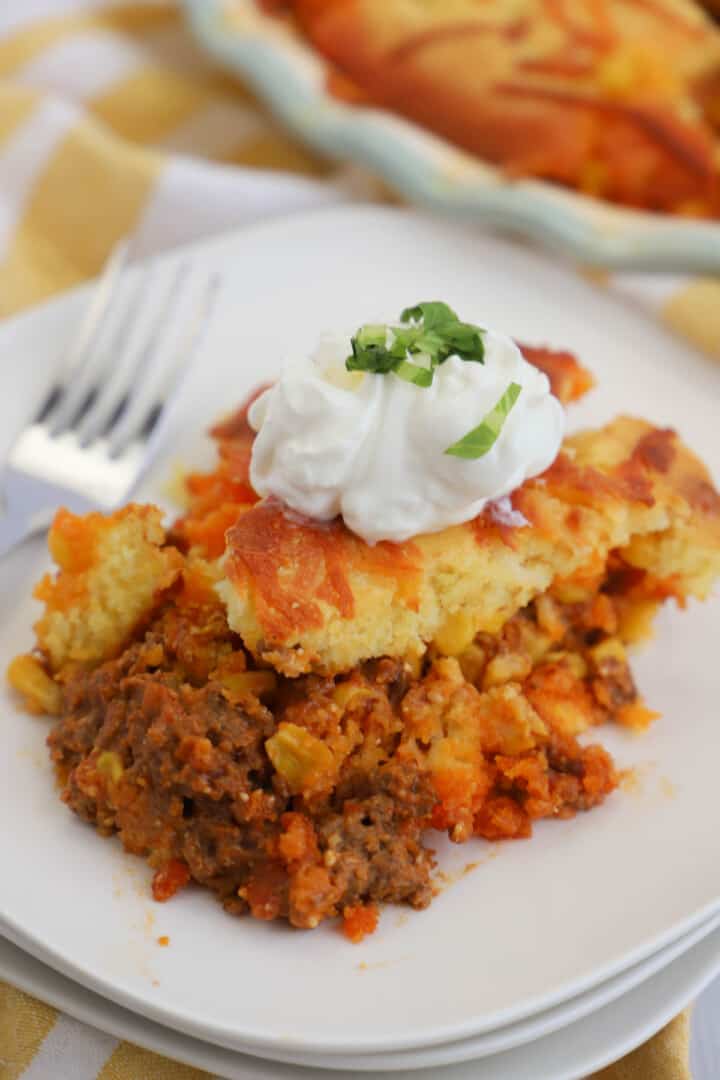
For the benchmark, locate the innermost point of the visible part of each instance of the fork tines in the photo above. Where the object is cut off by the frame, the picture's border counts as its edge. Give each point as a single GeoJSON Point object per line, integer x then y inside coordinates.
{"type": "Point", "coordinates": [126, 357]}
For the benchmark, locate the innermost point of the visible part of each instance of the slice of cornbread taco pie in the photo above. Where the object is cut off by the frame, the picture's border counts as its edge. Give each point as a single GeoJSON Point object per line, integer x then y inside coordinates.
{"type": "Point", "coordinates": [393, 607]}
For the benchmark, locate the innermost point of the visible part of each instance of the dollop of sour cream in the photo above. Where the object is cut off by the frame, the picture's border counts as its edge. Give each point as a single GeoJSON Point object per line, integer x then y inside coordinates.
{"type": "Point", "coordinates": [371, 447]}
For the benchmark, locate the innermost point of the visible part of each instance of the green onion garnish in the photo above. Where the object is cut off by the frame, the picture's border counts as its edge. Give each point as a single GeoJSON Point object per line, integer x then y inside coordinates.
{"type": "Point", "coordinates": [413, 373]}
{"type": "Point", "coordinates": [430, 329]}
{"type": "Point", "coordinates": [483, 437]}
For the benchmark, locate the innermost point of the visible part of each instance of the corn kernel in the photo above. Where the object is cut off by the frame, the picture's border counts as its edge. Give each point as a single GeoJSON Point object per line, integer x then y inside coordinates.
{"type": "Point", "coordinates": [413, 664]}
{"type": "Point", "coordinates": [42, 694]}
{"type": "Point", "coordinates": [572, 592]}
{"type": "Point", "coordinates": [299, 757]}
{"type": "Point", "coordinates": [550, 617]}
{"type": "Point", "coordinates": [636, 620]}
{"type": "Point", "coordinates": [472, 663]}
{"type": "Point", "coordinates": [110, 766]}
{"type": "Point", "coordinates": [567, 716]}
{"type": "Point", "coordinates": [576, 663]}
{"type": "Point", "coordinates": [349, 694]}
{"type": "Point", "coordinates": [535, 643]}
{"type": "Point", "coordinates": [610, 649]}
{"type": "Point", "coordinates": [456, 634]}
{"type": "Point", "coordinates": [506, 667]}
{"type": "Point", "coordinates": [238, 684]}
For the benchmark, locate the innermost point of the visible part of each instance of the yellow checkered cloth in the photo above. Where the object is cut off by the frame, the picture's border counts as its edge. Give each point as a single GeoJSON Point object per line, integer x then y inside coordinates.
{"type": "Point", "coordinates": [112, 122]}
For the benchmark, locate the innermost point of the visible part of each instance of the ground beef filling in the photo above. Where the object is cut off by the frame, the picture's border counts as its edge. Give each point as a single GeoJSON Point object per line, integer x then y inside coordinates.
{"type": "Point", "coordinates": [315, 797]}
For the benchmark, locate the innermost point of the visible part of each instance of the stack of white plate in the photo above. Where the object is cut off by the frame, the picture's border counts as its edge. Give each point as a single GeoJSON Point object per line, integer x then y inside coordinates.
{"type": "Point", "coordinates": [539, 959]}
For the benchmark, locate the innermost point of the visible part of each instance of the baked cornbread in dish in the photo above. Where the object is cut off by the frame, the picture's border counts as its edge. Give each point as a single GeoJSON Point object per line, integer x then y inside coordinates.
{"type": "Point", "coordinates": [617, 98]}
{"type": "Point", "coordinates": [273, 707]}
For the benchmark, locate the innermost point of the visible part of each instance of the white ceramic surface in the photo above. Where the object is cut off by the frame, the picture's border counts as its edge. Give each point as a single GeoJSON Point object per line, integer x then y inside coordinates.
{"type": "Point", "coordinates": [48, 985]}
{"type": "Point", "coordinates": [705, 1034]}
{"type": "Point", "coordinates": [292, 78]}
{"type": "Point", "coordinates": [571, 1054]}
{"type": "Point", "coordinates": [536, 923]}
{"type": "Point", "coordinates": [510, 1036]}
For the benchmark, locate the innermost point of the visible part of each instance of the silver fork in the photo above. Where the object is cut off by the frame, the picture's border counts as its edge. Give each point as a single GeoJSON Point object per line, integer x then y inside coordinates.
{"type": "Point", "coordinates": [98, 428]}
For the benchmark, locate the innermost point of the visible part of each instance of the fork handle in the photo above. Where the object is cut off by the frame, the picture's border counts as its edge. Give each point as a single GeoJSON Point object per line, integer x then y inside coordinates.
{"type": "Point", "coordinates": [29, 504]}
{"type": "Point", "coordinates": [14, 529]}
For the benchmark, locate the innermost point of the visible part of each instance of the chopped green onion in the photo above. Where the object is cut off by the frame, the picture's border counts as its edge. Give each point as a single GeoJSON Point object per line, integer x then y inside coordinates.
{"type": "Point", "coordinates": [431, 329]}
{"type": "Point", "coordinates": [432, 313]}
{"type": "Point", "coordinates": [482, 438]}
{"type": "Point", "coordinates": [372, 334]}
{"type": "Point", "coordinates": [412, 373]}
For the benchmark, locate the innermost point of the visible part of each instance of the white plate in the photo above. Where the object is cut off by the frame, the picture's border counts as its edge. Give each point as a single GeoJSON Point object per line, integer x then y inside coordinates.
{"type": "Point", "coordinates": [541, 922]}
{"type": "Point", "coordinates": [292, 78]}
{"type": "Point", "coordinates": [571, 1054]}
{"type": "Point", "coordinates": [511, 1035]}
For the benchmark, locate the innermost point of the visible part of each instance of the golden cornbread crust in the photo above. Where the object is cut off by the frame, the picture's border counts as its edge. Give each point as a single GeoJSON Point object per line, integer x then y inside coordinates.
{"type": "Point", "coordinates": [613, 97]}
{"type": "Point", "coordinates": [313, 597]}
{"type": "Point", "coordinates": [111, 571]}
